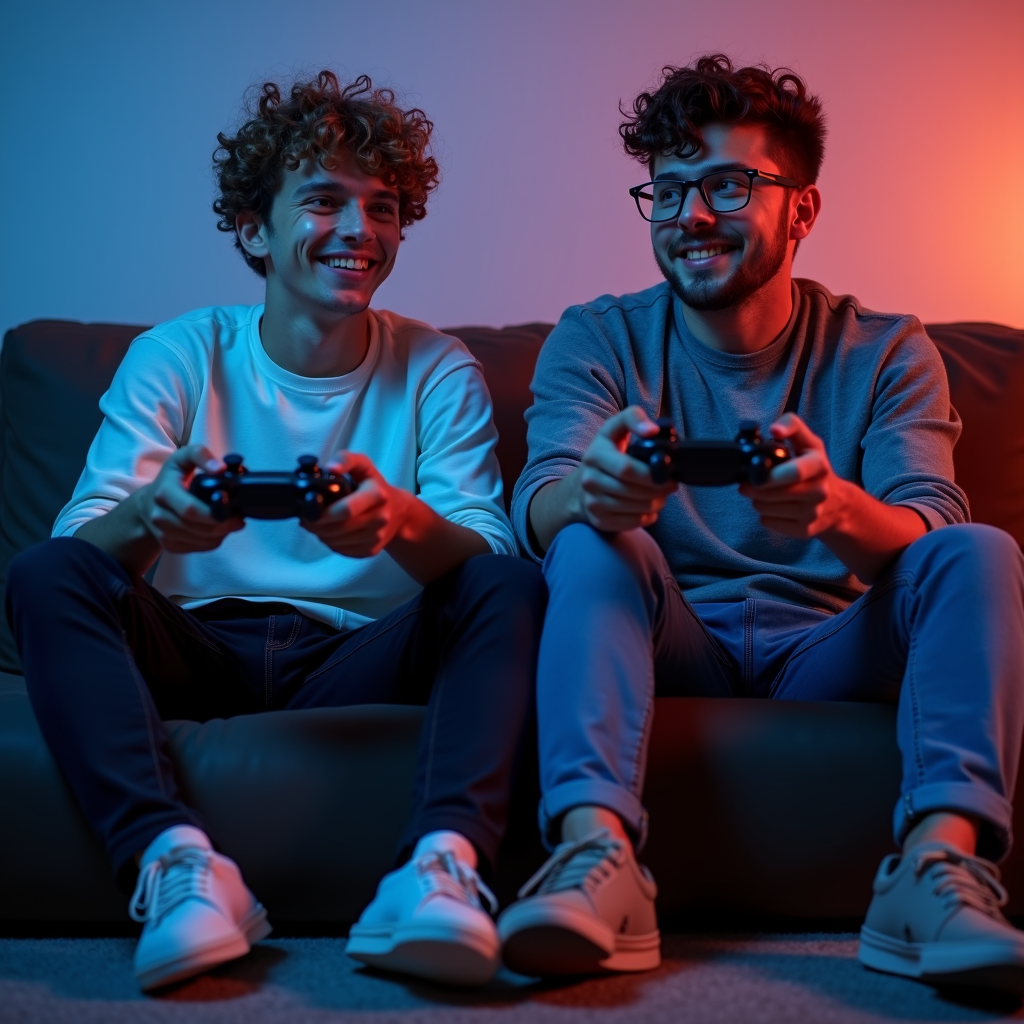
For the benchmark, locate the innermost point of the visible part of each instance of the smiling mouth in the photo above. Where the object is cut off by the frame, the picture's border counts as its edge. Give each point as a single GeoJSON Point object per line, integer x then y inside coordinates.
{"type": "Point", "coordinates": [345, 262]}
{"type": "Point", "coordinates": [707, 252]}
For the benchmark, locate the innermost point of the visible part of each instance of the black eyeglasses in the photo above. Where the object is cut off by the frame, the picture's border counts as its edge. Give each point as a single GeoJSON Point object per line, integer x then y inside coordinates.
{"type": "Point", "coordinates": [722, 191]}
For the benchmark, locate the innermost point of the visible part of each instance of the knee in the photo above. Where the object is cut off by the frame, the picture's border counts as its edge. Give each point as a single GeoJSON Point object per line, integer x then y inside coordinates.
{"type": "Point", "coordinates": [590, 557]}
{"type": "Point", "coordinates": [513, 583]}
{"type": "Point", "coordinates": [971, 547]}
{"type": "Point", "coordinates": [36, 572]}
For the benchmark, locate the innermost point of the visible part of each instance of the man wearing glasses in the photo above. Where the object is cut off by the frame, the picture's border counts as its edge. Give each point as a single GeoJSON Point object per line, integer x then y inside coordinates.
{"type": "Point", "coordinates": [838, 579]}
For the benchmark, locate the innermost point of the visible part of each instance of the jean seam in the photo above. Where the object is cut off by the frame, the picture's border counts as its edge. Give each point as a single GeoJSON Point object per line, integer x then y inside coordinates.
{"type": "Point", "coordinates": [429, 765]}
{"type": "Point", "coordinates": [143, 692]}
{"type": "Point", "coordinates": [639, 760]}
{"type": "Point", "coordinates": [749, 622]}
{"type": "Point", "coordinates": [268, 661]}
{"type": "Point", "coordinates": [877, 591]}
{"type": "Point", "coordinates": [360, 646]}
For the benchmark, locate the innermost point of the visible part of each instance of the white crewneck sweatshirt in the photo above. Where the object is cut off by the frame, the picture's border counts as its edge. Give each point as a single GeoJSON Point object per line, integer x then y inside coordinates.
{"type": "Point", "coordinates": [417, 406]}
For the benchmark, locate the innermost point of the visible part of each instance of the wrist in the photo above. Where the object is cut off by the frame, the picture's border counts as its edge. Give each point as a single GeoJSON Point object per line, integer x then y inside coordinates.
{"type": "Point", "coordinates": [408, 525]}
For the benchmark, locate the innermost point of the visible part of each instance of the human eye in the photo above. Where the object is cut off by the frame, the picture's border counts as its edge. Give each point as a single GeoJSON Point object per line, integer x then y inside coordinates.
{"type": "Point", "coordinates": [727, 185]}
{"type": "Point", "coordinates": [667, 194]}
{"type": "Point", "coordinates": [384, 209]}
{"type": "Point", "coordinates": [321, 203]}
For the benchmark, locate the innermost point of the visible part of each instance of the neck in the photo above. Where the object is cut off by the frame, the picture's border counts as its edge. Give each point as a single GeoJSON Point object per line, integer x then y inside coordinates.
{"type": "Point", "coordinates": [308, 345]}
{"type": "Point", "coordinates": [750, 325]}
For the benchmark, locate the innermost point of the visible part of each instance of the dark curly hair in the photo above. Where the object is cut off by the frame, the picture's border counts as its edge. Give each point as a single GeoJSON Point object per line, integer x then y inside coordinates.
{"type": "Point", "coordinates": [318, 116]}
{"type": "Point", "coordinates": [712, 91]}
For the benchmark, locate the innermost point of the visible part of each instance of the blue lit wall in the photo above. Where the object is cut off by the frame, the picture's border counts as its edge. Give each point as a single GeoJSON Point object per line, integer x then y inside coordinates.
{"type": "Point", "coordinates": [111, 111]}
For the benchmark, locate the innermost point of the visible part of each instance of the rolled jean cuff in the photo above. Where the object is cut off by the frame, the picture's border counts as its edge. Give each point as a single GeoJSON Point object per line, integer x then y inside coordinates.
{"type": "Point", "coordinates": [995, 836]}
{"type": "Point", "coordinates": [593, 793]}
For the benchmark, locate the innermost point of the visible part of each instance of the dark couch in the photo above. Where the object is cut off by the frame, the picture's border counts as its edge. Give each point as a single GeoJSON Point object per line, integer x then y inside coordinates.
{"type": "Point", "coordinates": [755, 806]}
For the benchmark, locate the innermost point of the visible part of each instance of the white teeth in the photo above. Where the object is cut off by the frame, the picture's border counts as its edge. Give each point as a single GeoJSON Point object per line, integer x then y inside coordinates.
{"type": "Point", "coordinates": [343, 263]}
{"type": "Point", "coordinates": [703, 254]}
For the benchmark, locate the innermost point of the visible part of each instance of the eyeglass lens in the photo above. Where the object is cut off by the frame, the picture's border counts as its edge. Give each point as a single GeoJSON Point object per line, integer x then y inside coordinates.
{"type": "Point", "coordinates": [724, 191]}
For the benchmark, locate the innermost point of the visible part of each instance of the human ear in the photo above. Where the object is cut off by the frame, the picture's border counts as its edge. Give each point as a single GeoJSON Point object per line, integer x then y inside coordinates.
{"type": "Point", "coordinates": [252, 233]}
{"type": "Point", "coordinates": [805, 212]}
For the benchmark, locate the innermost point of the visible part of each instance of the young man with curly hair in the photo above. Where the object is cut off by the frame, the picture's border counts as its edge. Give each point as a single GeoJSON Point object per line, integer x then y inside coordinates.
{"type": "Point", "coordinates": [851, 574]}
{"type": "Point", "coordinates": [402, 592]}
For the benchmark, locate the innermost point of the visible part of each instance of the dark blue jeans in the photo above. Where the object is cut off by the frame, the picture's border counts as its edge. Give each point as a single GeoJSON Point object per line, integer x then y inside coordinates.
{"type": "Point", "coordinates": [106, 657]}
{"type": "Point", "coordinates": [941, 635]}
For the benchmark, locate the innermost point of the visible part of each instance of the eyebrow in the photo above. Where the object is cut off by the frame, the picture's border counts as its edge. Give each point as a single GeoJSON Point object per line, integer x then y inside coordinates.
{"type": "Point", "coordinates": [326, 185]}
{"type": "Point", "coordinates": [714, 168]}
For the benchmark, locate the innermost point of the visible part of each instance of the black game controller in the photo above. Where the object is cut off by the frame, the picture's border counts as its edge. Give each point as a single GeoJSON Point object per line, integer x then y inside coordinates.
{"type": "Point", "coordinates": [748, 459]}
{"type": "Point", "coordinates": [235, 491]}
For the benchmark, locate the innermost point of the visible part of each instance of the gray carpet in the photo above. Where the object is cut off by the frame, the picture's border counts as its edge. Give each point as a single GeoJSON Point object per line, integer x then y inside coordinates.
{"type": "Point", "coordinates": [705, 979]}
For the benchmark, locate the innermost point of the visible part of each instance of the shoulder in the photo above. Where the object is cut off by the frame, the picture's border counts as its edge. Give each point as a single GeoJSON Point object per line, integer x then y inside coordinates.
{"type": "Point", "coordinates": [616, 323]}
{"type": "Point", "coordinates": [194, 336]}
{"type": "Point", "coordinates": [615, 311]}
{"type": "Point", "coordinates": [851, 323]}
{"type": "Point", "coordinates": [423, 350]}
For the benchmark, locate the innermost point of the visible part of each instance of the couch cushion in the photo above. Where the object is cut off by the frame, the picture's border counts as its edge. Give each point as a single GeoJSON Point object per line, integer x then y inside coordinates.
{"type": "Point", "coordinates": [772, 807]}
{"type": "Point", "coordinates": [52, 374]}
{"type": "Point", "coordinates": [985, 365]}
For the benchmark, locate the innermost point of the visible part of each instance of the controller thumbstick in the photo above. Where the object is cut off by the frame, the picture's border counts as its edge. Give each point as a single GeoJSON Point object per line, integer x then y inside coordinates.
{"type": "Point", "coordinates": [666, 429]}
{"type": "Point", "coordinates": [234, 463]}
{"type": "Point", "coordinates": [308, 465]}
{"type": "Point", "coordinates": [750, 432]}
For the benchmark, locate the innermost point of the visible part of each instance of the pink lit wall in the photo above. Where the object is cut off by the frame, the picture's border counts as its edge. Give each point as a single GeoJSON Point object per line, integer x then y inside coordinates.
{"type": "Point", "coordinates": [111, 111]}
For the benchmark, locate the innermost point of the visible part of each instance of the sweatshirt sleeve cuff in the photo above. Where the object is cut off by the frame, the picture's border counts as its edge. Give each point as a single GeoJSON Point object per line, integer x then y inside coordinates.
{"type": "Point", "coordinates": [933, 519]}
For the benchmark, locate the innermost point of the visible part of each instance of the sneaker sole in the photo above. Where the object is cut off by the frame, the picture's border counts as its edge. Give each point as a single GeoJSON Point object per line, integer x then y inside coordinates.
{"type": "Point", "coordinates": [465, 958]}
{"type": "Point", "coordinates": [252, 929]}
{"type": "Point", "coordinates": [991, 965]}
{"type": "Point", "coordinates": [537, 942]}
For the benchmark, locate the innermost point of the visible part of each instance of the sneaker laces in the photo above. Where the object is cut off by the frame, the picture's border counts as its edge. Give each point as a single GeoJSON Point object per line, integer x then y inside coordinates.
{"type": "Point", "coordinates": [580, 864]}
{"type": "Point", "coordinates": [168, 881]}
{"type": "Point", "coordinates": [963, 880]}
{"type": "Point", "coordinates": [441, 873]}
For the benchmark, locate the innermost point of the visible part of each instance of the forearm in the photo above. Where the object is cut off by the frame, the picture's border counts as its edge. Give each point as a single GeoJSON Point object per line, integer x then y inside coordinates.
{"type": "Point", "coordinates": [554, 506]}
{"type": "Point", "coordinates": [122, 533]}
{"type": "Point", "coordinates": [869, 534]}
{"type": "Point", "coordinates": [427, 545]}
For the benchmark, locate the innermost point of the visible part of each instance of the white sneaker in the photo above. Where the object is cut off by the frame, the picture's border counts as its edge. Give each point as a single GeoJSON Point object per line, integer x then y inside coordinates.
{"type": "Point", "coordinates": [589, 909]}
{"type": "Point", "coordinates": [427, 920]}
{"type": "Point", "coordinates": [195, 909]}
{"type": "Point", "coordinates": [935, 916]}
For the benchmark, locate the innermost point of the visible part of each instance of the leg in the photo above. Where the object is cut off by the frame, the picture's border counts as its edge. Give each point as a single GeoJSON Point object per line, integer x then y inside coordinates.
{"type": "Point", "coordinates": [105, 658]}
{"type": "Point", "coordinates": [467, 648]}
{"type": "Point", "coordinates": [946, 632]}
{"type": "Point", "coordinates": [942, 634]}
{"type": "Point", "coordinates": [617, 630]}
{"type": "Point", "coordinates": [95, 643]}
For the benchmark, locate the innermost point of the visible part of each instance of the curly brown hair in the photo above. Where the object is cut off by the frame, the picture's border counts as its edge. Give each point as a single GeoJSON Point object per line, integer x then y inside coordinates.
{"type": "Point", "coordinates": [712, 91]}
{"type": "Point", "coordinates": [318, 116]}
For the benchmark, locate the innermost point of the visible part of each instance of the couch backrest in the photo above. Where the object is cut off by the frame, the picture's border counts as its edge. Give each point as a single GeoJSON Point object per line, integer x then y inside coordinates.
{"type": "Point", "coordinates": [52, 374]}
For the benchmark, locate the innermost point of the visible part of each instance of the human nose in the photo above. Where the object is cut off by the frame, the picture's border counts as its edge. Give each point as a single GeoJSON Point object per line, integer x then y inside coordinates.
{"type": "Point", "coordinates": [352, 223]}
{"type": "Point", "coordinates": [694, 210]}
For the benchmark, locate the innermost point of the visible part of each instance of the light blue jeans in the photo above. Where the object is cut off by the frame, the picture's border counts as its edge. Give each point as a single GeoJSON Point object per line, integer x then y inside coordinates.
{"type": "Point", "coordinates": [941, 635]}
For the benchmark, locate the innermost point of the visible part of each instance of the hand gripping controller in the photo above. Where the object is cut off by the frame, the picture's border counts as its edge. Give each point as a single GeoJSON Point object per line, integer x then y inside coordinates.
{"type": "Point", "coordinates": [748, 459]}
{"type": "Point", "coordinates": [235, 491]}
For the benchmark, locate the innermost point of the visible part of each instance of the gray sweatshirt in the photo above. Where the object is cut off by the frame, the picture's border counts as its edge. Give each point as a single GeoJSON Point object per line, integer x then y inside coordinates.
{"type": "Point", "coordinates": [874, 390]}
